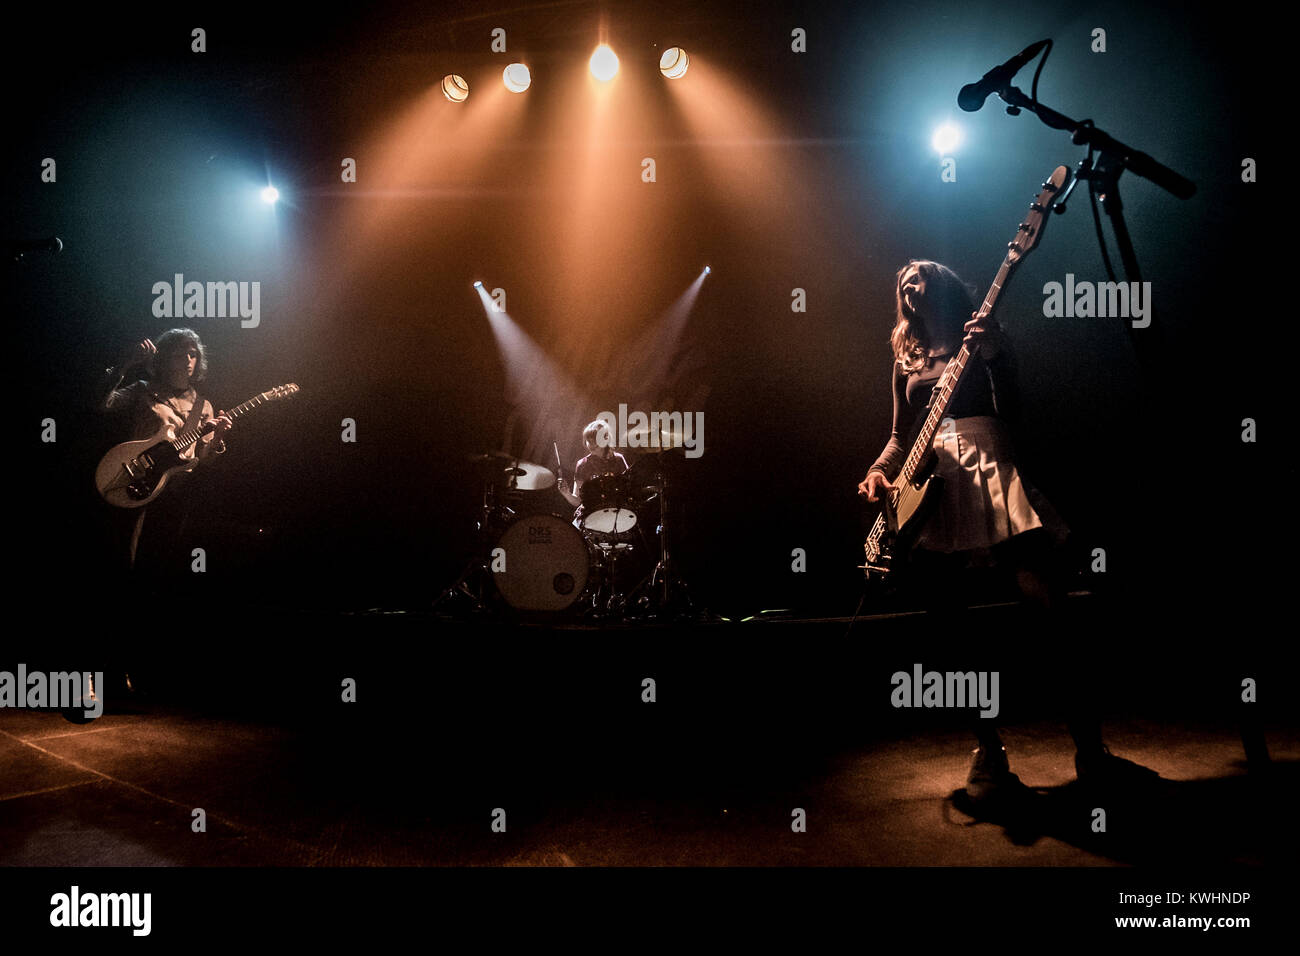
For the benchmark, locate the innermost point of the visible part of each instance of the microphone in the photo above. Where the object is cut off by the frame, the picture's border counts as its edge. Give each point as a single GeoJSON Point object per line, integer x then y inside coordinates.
{"type": "Point", "coordinates": [19, 249]}
{"type": "Point", "coordinates": [972, 95]}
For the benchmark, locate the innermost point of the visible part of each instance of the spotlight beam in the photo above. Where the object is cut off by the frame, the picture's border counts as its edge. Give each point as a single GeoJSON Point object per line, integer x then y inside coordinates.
{"type": "Point", "coordinates": [658, 364]}
{"type": "Point", "coordinates": [537, 388]}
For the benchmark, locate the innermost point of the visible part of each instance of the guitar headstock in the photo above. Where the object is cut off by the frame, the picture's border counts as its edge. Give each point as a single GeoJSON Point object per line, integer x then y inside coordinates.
{"type": "Point", "coordinates": [1032, 228]}
{"type": "Point", "coordinates": [281, 391]}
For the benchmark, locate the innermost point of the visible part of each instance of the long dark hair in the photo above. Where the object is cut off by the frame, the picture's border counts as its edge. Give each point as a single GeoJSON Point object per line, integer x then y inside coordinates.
{"type": "Point", "coordinates": [173, 340]}
{"type": "Point", "coordinates": [949, 300]}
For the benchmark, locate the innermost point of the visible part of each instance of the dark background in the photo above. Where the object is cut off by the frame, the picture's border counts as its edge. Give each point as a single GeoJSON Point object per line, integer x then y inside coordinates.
{"type": "Point", "coordinates": [780, 170]}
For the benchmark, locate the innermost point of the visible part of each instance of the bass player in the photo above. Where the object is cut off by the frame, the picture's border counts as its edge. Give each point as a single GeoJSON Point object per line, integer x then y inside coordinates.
{"type": "Point", "coordinates": [987, 512]}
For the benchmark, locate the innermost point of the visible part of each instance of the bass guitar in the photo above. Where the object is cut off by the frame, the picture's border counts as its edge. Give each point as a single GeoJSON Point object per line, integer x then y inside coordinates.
{"type": "Point", "coordinates": [917, 488]}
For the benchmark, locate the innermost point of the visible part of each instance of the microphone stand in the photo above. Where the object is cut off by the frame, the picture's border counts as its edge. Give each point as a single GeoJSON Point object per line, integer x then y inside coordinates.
{"type": "Point", "coordinates": [1103, 181]}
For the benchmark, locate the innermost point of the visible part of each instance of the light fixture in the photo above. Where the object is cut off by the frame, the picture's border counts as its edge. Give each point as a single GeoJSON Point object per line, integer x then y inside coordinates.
{"type": "Point", "coordinates": [674, 62]}
{"type": "Point", "coordinates": [604, 63]}
{"type": "Point", "coordinates": [945, 139]}
{"type": "Point", "coordinates": [455, 88]}
{"type": "Point", "coordinates": [517, 78]}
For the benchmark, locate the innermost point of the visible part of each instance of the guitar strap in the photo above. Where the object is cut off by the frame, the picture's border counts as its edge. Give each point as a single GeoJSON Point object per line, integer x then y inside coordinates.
{"type": "Point", "coordinates": [188, 419]}
{"type": "Point", "coordinates": [195, 415]}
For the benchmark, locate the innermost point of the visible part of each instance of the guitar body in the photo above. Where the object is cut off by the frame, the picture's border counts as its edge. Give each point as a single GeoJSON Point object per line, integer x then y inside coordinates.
{"type": "Point", "coordinates": [906, 511]}
{"type": "Point", "coordinates": [134, 473]}
{"type": "Point", "coordinates": [911, 506]}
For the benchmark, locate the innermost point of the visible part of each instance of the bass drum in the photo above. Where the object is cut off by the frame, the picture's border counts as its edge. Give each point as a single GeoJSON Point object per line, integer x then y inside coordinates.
{"type": "Point", "coordinates": [544, 564]}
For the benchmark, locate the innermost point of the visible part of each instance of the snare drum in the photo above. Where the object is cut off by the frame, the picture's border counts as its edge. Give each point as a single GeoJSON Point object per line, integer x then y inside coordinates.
{"type": "Point", "coordinates": [545, 563]}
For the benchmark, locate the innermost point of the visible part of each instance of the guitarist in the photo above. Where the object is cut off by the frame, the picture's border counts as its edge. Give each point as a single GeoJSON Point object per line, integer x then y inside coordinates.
{"type": "Point", "coordinates": [974, 513]}
{"type": "Point", "coordinates": [987, 513]}
{"type": "Point", "coordinates": [165, 396]}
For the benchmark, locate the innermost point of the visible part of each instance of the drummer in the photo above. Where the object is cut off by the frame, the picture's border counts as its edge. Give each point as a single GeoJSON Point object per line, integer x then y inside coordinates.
{"type": "Point", "coordinates": [601, 460]}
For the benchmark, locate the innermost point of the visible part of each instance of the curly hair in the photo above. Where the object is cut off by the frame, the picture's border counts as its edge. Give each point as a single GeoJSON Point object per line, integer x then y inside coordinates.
{"type": "Point", "coordinates": [951, 303]}
{"type": "Point", "coordinates": [173, 340]}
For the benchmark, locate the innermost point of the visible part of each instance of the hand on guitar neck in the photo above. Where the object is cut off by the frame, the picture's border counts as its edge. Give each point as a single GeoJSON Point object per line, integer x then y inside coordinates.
{"type": "Point", "coordinates": [984, 336]}
{"type": "Point", "coordinates": [218, 426]}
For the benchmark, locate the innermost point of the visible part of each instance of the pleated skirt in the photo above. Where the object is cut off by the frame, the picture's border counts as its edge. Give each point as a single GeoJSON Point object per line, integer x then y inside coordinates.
{"type": "Point", "coordinates": [985, 499]}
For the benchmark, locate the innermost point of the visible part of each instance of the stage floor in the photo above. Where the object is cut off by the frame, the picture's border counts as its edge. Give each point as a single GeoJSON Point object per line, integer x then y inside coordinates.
{"type": "Point", "coordinates": [121, 791]}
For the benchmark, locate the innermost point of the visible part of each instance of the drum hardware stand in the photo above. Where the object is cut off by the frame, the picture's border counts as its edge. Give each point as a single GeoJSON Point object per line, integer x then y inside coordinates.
{"type": "Point", "coordinates": [662, 588]}
{"type": "Point", "coordinates": [615, 605]}
{"type": "Point", "coordinates": [475, 571]}
{"type": "Point", "coordinates": [473, 579]}
{"type": "Point", "coordinates": [606, 602]}
{"type": "Point", "coordinates": [617, 602]}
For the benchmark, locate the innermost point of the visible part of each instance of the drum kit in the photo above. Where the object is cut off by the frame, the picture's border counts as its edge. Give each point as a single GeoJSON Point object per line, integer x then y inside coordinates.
{"type": "Point", "coordinates": [534, 562]}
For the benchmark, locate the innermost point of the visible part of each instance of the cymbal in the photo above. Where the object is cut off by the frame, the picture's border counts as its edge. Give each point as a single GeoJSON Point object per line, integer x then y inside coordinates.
{"type": "Point", "coordinates": [529, 477]}
{"type": "Point", "coordinates": [514, 473]}
{"type": "Point", "coordinates": [650, 441]}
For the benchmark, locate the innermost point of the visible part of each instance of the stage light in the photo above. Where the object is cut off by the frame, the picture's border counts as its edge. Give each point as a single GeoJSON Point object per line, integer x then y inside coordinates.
{"type": "Point", "coordinates": [604, 63]}
{"type": "Point", "coordinates": [270, 194]}
{"type": "Point", "coordinates": [455, 88]}
{"type": "Point", "coordinates": [674, 62]}
{"type": "Point", "coordinates": [708, 270]}
{"type": "Point", "coordinates": [478, 285]}
{"type": "Point", "coordinates": [946, 138]}
{"type": "Point", "coordinates": [517, 78]}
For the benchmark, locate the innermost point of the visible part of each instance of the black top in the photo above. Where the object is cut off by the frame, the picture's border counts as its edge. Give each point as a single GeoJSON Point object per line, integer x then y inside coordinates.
{"type": "Point", "coordinates": [593, 466]}
{"type": "Point", "coordinates": [987, 388]}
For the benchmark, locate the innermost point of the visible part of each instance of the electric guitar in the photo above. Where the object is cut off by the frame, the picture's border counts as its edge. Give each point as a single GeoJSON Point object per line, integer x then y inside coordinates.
{"type": "Point", "coordinates": [134, 473]}
{"type": "Point", "coordinates": [917, 489]}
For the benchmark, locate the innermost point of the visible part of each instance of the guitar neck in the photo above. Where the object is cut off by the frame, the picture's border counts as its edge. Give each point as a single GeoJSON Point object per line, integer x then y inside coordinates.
{"type": "Point", "coordinates": [188, 437]}
{"type": "Point", "coordinates": [943, 392]}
